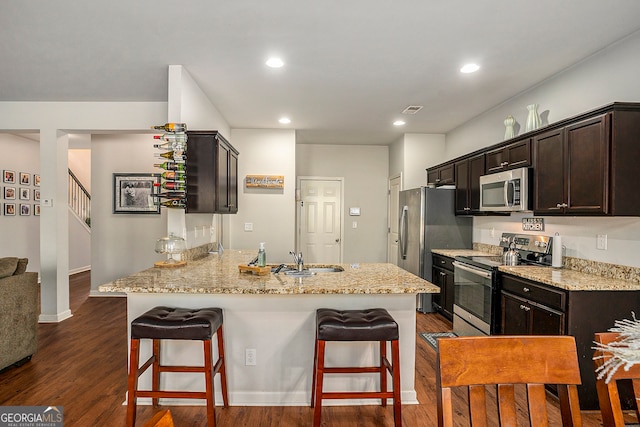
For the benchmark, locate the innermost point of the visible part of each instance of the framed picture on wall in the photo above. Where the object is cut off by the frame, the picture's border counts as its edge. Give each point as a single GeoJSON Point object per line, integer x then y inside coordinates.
{"type": "Point", "coordinates": [10, 209]}
{"type": "Point", "coordinates": [25, 193]}
{"type": "Point", "coordinates": [25, 209]}
{"type": "Point", "coordinates": [36, 194]}
{"type": "Point", "coordinates": [132, 193]}
{"type": "Point", "coordinates": [36, 179]}
{"type": "Point", "coordinates": [10, 193]}
{"type": "Point", "coordinates": [9, 177]}
{"type": "Point", "coordinates": [25, 178]}
{"type": "Point", "coordinates": [36, 210]}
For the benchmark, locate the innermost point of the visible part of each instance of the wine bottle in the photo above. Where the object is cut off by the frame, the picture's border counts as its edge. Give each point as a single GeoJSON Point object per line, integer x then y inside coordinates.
{"type": "Point", "coordinates": [172, 137]}
{"type": "Point", "coordinates": [171, 185]}
{"type": "Point", "coordinates": [170, 166]}
{"type": "Point", "coordinates": [171, 146]}
{"type": "Point", "coordinates": [173, 175]}
{"type": "Point", "coordinates": [173, 155]}
{"type": "Point", "coordinates": [171, 127]}
{"type": "Point", "coordinates": [173, 203]}
{"type": "Point", "coordinates": [170, 195]}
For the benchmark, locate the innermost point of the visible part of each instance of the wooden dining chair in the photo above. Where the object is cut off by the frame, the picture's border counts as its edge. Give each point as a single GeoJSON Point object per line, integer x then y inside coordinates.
{"type": "Point", "coordinates": [506, 361]}
{"type": "Point", "coordinates": [160, 419]}
{"type": "Point", "coordinates": [608, 397]}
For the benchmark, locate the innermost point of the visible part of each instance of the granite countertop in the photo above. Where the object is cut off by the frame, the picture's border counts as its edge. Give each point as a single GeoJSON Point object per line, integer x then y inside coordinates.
{"type": "Point", "coordinates": [452, 253]}
{"type": "Point", "coordinates": [219, 274]}
{"type": "Point", "coordinates": [562, 278]}
{"type": "Point", "coordinates": [570, 280]}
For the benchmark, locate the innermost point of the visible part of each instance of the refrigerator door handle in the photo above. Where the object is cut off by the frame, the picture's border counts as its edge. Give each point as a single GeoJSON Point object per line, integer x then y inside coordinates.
{"type": "Point", "coordinates": [403, 225]}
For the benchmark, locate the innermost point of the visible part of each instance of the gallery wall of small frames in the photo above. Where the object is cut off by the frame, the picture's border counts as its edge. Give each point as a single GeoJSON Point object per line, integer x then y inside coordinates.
{"type": "Point", "coordinates": [20, 193]}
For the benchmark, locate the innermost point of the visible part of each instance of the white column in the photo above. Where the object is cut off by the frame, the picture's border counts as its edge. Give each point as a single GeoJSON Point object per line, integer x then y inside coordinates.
{"type": "Point", "coordinates": [54, 226]}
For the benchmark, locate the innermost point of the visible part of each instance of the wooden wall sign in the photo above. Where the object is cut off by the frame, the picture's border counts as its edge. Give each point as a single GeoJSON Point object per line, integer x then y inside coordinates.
{"type": "Point", "coordinates": [264, 181]}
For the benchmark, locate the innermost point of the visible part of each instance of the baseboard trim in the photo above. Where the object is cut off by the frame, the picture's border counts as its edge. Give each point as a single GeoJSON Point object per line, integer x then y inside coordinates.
{"type": "Point", "coordinates": [55, 318]}
{"type": "Point", "coordinates": [79, 270]}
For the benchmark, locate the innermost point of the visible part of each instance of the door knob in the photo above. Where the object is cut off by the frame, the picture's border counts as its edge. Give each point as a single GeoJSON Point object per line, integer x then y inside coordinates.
{"type": "Point", "coordinates": [338, 240]}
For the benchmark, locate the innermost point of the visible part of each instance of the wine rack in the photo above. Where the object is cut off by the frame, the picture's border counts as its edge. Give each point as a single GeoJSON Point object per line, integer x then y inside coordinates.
{"type": "Point", "coordinates": [173, 146]}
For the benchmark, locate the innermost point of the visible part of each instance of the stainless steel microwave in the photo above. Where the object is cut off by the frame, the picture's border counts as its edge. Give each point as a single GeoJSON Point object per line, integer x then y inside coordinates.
{"type": "Point", "coordinates": [506, 191]}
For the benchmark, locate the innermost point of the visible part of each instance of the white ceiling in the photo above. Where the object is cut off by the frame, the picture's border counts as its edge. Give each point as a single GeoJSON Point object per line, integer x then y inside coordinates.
{"type": "Point", "coordinates": [351, 66]}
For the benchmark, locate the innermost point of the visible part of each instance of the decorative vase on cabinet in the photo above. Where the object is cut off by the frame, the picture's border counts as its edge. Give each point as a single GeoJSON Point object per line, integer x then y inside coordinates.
{"type": "Point", "coordinates": [508, 123]}
{"type": "Point", "coordinates": [533, 119]}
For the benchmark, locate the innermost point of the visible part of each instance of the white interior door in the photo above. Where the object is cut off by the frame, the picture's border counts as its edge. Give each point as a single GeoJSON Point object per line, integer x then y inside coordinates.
{"type": "Point", "coordinates": [392, 237]}
{"type": "Point", "coordinates": [320, 219]}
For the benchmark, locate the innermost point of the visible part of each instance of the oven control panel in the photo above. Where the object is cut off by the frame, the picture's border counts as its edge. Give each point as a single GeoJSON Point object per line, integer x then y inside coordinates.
{"type": "Point", "coordinates": [527, 242]}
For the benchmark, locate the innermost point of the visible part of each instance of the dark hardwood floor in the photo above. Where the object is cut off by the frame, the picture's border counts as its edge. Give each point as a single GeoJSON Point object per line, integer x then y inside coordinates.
{"type": "Point", "coordinates": [81, 365]}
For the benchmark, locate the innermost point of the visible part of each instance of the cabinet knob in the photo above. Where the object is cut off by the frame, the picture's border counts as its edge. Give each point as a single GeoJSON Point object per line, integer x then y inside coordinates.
{"type": "Point", "coordinates": [443, 261]}
{"type": "Point", "coordinates": [504, 163]}
{"type": "Point", "coordinates": [442, 273]}
{"type": "Point", "coordinates": [524, 307]}
{"type": "Point", "coordinates": [526, 290]}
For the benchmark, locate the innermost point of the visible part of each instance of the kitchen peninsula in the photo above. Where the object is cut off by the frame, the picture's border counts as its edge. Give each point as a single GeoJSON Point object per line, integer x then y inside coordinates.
{"type": "Point", "coordinates": [275, 315]}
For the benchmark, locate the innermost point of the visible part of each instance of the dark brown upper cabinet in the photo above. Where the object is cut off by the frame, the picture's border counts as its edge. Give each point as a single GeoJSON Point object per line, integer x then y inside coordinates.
{"type": "Point", "coordinates": [468, 173]}
{"type": "Point", "coordinates": [588, 167]}
{"type": "Point", "coordinates": [512, 156]}
{"type": "Point", "coordinates": [442, 175]}
{"type": "Point", "coordinates": [212, 173]}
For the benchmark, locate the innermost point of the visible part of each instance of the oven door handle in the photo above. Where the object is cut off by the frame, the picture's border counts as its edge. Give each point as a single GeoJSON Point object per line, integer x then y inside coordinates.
{"type": "Point", "coordinates": [472, 270]}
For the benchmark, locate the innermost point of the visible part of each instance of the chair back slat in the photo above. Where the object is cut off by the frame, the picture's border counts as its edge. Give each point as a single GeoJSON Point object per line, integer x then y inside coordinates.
{"type": "Point", "coordinates": [537, 405]}
{"type": "Point", "coordinates": [478, 405]}
{"type": "Point", "coordinates": [505, 361]}
{"type": "Point", "coordinates": [507, 404]}
{"type": "Point", "coordinates": [608, 396]}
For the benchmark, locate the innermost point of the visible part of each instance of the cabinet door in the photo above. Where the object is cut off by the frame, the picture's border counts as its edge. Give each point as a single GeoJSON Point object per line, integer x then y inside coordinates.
{"type": "Point", "coordinates": [433, 175]}
{"type": "Point", "coordinates": [587, 166]}
{"type": "Point", "coordinates": [476, 170]}
{"type": "Point", "coordinates": [545, 321]}
{"type": "Point", "coordinates": [462, 187]}
{"type": "Point", "coordinates": [447, 175]}
{"type": "Point", "coordinates": [549, 180]}
{"type": "Point", "coordinates": [232, 179]}
{"type": "Point", "coordinates": [515, 315]}
{"type": "Point", "coordinates": [518, 154]}
{"type": "Point", "coordinates": [448, 285]}
{"type": "Point", "coordinates": [495, 160]}
{"type": "Point", "coordinates": [222, 184]}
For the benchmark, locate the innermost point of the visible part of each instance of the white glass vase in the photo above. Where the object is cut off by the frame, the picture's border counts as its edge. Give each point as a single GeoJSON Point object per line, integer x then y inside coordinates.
{"type": "Point", "coordinates": [508, 123]}
{"type": "Point", "coordinates": [533, 119]}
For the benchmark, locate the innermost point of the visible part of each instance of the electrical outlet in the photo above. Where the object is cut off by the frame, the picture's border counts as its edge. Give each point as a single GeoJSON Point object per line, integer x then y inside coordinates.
{"type": "Point", "coordinates": [601, 242]}
{"type": "Point", "coordinates": [492, 233]}
{"type": "Point", "coordinates": [354, 224]}
{"type": "Point", "coordinates": [250, 356]}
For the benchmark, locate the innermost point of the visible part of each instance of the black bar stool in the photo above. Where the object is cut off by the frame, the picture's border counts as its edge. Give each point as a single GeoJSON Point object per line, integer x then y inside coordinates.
{"type": "Point", "coordinates": [357, 325]}
{"type": "Point", "coordinates": [162, 323]}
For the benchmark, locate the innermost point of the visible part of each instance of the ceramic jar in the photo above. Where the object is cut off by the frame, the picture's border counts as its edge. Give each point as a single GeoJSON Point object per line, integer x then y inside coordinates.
{"type": "Point", "coordinates": [508, 123]}
{"type": "Point", "coordinates": [533, 119]}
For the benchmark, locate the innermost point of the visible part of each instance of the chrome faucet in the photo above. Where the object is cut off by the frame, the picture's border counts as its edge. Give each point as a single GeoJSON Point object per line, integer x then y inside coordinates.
{"type": "Point", "coordinates": [298, 260]}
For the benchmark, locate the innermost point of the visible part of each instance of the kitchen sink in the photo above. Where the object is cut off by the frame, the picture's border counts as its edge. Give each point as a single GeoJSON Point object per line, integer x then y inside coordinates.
{"type": "Point", "coordinates": [291, 270]}
{"type": "Point", "coordinates": [329, 269]}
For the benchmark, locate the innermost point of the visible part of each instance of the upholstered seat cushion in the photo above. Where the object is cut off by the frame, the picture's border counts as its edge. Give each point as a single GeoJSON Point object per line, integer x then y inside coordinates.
{"type": "Point", "coordinates": [8, 266]}
{"type": "Point", "coordinates": [177, 323]}
{"type": "Point", "coordinates": [375, 324]}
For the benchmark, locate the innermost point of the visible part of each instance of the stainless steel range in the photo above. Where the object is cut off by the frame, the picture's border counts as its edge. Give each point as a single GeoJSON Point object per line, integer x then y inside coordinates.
{"type": "Point", "coordinates": [476, 309]}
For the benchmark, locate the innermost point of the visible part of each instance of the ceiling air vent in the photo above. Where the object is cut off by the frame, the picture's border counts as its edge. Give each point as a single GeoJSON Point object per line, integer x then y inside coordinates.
{"type": "Point", "coordinates": [412, 109]}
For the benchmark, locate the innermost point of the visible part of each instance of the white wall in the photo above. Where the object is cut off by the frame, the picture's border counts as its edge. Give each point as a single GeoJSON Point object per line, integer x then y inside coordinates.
{"type": "Point", "coordinates": [271, 211]}
{"type": "Point", "coordinates": [80, 165]}
{"type": "Point", "coordinates": [121, 244]}
{"type": "Point", "coordinates": [365, 170]}
{"type": "Point", "coordinates": [412, 154]}
{"type": "Point", "coordinates": [611, 75]}
{"type": "Point", "coordinates": [20, 234]}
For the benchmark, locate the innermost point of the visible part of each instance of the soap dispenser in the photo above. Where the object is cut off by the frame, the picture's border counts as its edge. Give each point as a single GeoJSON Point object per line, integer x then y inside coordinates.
{"type": "Point", "coordinates": [262, 256]}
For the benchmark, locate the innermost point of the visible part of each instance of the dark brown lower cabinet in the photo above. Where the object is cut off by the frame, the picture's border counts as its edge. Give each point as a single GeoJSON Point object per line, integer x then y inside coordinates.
{"type": "Point", "coordinates": [533, 308]}
{"type": "Point", "coordinates": [442, 276]}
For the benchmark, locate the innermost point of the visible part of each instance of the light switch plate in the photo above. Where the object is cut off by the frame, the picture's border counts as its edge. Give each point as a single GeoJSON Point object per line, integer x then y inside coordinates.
{"type": "Point", "coordinates": [248, 226]}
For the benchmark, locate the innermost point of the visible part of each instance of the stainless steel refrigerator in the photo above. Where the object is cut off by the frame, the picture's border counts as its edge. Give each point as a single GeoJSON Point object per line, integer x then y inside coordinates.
{"type": "Point", "coordinates": [427, 221]}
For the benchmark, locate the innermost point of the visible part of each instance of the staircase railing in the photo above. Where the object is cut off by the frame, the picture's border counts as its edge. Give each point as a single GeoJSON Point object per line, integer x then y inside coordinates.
{"type": "Point", "coordinates": [79, 199]}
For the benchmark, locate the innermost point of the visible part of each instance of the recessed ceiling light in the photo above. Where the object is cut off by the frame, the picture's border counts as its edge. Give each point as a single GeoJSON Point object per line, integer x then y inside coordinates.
{"type": "Point", "coordinates": [274, 62]}
{"type": "Point", "coordinates": [469, 68]}
{"type": "Point", "coordinates": [398, 123]}
{"type": "Point", "coordinates": [285, 120]}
